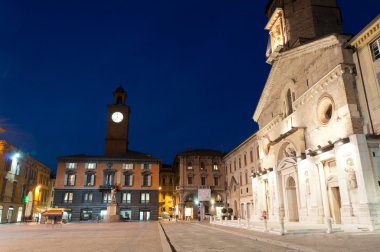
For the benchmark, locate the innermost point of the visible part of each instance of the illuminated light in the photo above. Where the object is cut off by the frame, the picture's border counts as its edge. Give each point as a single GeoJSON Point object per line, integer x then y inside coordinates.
{"type": "Point", "coordinates": [16, 155]}
{"type": "Point", "coordinates": [196, 202]}
{"type": "Point", "coordinates": [159, 188]}
{"type": "Point", "coordinates": [212, 201]}
{"type": "Point", "coordinates": [319, 151]}
{"type": "Point", "coordinates": [26, 199]}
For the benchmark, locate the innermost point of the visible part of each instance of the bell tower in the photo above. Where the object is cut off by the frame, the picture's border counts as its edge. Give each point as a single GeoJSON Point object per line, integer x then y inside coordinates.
{"type": "Point", "coordinates": [116, 142]}
{"type": "Point", "coordinates": [296, 22]}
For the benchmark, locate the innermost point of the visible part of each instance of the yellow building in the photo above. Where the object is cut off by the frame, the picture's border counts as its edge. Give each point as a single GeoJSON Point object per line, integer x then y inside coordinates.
{"type": "Point", "coordinates": [23, 185]}
{"type": "Point", "coordinates": [167, 197]}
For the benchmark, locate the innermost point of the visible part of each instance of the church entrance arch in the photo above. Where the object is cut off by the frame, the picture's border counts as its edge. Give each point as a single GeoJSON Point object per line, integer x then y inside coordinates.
{"type": "Point", "coordinates": [333, 191]}
{"type": "Point", "coordinates": [287, 182]}
{"type": "Point", "coordinates": [292, 202]}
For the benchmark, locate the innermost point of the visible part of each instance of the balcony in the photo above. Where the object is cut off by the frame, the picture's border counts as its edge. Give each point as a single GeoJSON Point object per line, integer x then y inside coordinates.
{"type": "Point", "coordinates": [192, 187]}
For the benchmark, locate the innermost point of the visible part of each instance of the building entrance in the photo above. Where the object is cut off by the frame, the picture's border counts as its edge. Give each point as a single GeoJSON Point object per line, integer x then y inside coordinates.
{"type": "Point", "coordinates": [144, 215]}
{"type": "Point", "coordinates": [291, 193]}
{"type": "Point", "coordinates": [335, 205]}
{"type": "Point", "coordinates": [10, 214]}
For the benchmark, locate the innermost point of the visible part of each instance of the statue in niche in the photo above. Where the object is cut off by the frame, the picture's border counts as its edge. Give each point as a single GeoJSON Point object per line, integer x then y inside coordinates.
{"type": "Point", "coordinates": [307, 184]}
{"type": "Point", "coordinates": [351, 175]}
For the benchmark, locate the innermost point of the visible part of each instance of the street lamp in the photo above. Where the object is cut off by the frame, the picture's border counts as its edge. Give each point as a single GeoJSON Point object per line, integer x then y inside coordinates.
{"type": "Point", "coordinates": [16, 156]}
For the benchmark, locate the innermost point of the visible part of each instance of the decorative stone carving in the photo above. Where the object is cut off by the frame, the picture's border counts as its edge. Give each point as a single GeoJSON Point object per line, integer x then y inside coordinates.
{"type": "Point", "coordinates": [290, 152]}
{"type": "Point", "coordinates": [351, 175]}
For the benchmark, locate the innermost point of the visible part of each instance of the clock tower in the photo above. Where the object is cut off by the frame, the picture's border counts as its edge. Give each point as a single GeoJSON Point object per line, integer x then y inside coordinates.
{"type": "Point", "coordinates": [116, 143]}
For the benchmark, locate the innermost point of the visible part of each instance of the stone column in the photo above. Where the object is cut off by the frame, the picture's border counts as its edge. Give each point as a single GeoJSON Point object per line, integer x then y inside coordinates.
{"type": "Point", "coordinates": [369, 211]}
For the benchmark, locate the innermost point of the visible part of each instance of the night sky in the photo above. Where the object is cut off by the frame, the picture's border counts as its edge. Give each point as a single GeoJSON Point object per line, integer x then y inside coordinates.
{"type": "Point", "coordinates": [193, 70]}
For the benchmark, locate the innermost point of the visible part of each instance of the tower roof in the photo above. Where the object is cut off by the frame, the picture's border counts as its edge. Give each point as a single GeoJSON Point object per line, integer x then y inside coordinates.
{"type": "Point", "coordinates": [120, 89]}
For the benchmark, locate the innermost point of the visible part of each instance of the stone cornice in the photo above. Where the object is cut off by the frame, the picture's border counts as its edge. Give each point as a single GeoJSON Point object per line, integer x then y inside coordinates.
{"type": "Point", "coordinates": [266, 92]}
{"type": "Point", "coordinates": [275, 121]}
{"type": "Point", "coordinates": [321, 85]}
{"type": "Point", "coordinates": [276, 14]}
{"type": "Point", "coordinates": [367, 35]}
{"type": "Point", "coordinates": [326, 42]}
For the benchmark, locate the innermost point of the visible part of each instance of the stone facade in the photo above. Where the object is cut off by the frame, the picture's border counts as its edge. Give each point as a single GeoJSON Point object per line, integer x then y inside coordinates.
{"type": "Point", "coordinates": [199, 171]}
{"type": "Point", "coordinates": [318, 118]}
{"type": "Point", "coordinates": [367, 61]}
{"type": "Point", "coordinates": [239, 165]}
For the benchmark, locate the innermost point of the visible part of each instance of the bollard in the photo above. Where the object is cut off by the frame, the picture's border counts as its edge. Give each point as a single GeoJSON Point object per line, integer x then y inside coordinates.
{"type": "Point", "coordinates": [282, 227]}
{"type": "Point", "coordinates": [266, 225]}
{"type": "Point", "coordinates": [329, 225]}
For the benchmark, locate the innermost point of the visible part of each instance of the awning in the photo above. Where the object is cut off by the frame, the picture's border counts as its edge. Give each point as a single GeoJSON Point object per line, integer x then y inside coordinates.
{"type": "Point", "coordinates": [53, 212]}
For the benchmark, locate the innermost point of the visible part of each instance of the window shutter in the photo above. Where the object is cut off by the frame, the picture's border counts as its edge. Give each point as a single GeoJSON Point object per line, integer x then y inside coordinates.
{"type": "Point", "coordinates": [65, 180]}
{"type": "Point", "coordinates": [149, 180]}
{"type": "Point", "coordinates": [92, 179]}
{"type": "Point", "coordinates": [74, 179]}
{"type": "Point", "coordinates": [150, 166]}
{"type": "Point", "coordinates": [86, 180]}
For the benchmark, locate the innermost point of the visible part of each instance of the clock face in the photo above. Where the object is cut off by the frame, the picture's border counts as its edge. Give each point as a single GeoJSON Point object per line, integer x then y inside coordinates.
{"type": "Point", "coordinates": [117, 117]}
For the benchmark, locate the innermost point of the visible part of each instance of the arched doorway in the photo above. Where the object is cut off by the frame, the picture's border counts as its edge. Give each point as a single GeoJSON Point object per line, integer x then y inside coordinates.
{"type": "Point", "coordinates": [248, 211]}
{"type": "Point", "coordinates": [242, 211]}
{"type": "Point", "coordinates": [189, 207]}
{"type": "Point", "coordinates": [291, 193]}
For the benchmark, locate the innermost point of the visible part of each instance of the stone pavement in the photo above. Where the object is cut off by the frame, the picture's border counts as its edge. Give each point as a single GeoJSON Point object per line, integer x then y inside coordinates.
{"type": "Point", "coordinates": [131, 236]}
{"type": "Point", "coordinates": [183, 236]}
{"type": "Point", "coordinates": [189, 236]}
{"type": "Point", "coordinates": [318, 241]}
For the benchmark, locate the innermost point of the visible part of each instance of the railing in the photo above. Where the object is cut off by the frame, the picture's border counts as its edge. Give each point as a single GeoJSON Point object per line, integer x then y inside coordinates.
{"type": "Point", "coordinates": [190, 187]}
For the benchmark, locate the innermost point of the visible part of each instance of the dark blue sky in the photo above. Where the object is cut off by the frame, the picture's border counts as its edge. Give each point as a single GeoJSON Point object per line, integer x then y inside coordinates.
{"type": "Point", "coordinates": [193, 70]}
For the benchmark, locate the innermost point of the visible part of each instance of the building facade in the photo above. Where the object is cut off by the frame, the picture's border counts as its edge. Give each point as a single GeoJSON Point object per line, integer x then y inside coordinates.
{"type": "Point", "coordinates": [367, 61]}
{"type": "Point", "coordinates": [200, 177]}
{"type": "Point", "coordinates": [318, 156]}
{"type": "Point", "coordinates": [84, 182]}
{"type": "Point", "coordinates": [24, 185]}
{"type": "Point", "coordinates": [167, 196]}
{"type": "Point", "coordinates": [240, 163]}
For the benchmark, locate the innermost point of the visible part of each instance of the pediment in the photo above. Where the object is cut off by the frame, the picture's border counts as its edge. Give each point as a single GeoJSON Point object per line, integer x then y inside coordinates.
{"type": "Point", "coordinates": [280, 68]}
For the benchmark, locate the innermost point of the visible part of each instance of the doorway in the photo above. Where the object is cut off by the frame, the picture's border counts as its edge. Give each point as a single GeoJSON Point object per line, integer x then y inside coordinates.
{"type": "Point", "coordinates": [19, 214]}
{"type": "Point", "coordinates": [335, 204]}
{"type": "Point", "coordinates": [144, 215]}
{"type": "Point", "coordinates": [10, 214]}
{"type": "Point", "coordinates": [291, 192]}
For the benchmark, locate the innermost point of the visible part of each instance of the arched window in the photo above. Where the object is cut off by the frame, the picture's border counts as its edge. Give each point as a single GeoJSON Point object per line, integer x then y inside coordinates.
{"type": "Point", "coordinates": [289, 107]}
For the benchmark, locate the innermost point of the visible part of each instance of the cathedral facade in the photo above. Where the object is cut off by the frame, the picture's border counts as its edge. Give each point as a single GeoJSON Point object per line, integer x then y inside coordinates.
{"type": "Point", "coordinates": [318, 138]}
